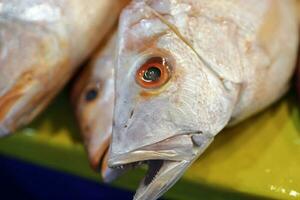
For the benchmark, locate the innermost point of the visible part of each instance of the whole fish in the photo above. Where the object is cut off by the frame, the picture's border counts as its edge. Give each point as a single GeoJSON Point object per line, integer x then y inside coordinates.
{"type": "Point", "coordinates": [42, 43]}
{"type": "Point", "coordinates": [186, 69]}
{"type": "Point", "coordinates": [93, 99]}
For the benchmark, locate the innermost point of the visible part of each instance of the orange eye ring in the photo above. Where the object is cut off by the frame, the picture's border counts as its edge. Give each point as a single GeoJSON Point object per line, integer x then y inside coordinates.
{"type": "Point", "coordinates": [154, 73]}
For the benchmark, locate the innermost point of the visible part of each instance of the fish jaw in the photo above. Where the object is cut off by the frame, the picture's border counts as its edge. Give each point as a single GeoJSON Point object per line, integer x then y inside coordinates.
{"type": "Point", "coordinates": [168, 172]}
{"type": "Point", "coordinates": [166, 165]}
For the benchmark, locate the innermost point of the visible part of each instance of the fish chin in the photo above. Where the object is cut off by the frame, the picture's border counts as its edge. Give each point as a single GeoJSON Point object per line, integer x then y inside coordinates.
{"type": "Point", "coordinates": [166, 162]}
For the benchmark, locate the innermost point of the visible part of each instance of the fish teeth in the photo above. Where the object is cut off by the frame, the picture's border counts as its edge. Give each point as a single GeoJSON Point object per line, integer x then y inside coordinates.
{"type": "Point", "coordinates": [130, 165]}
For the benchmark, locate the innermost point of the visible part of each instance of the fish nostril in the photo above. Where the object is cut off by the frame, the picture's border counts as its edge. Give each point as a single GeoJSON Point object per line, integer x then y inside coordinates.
{"type": "Point", "coordinates": [130, 117]}
{"type": "Point", "coordinates": [131, 114]}
{"type": "Point", "coordinates": [91, 94]}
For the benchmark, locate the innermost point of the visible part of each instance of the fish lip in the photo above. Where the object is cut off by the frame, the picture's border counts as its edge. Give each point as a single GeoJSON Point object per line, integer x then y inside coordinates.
{"type": "Point", "coordinates": [109, 174]}
{"type": "Point", "coordinates": [138, 156]}
{"type": "Point", "coordinates": [164, 177]}
{"type": "Point", "coordinates": [144, 153]}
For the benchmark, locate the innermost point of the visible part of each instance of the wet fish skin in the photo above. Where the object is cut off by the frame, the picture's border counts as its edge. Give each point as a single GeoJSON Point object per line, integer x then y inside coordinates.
{"type": "Point", "coordinates": [229, 60]}
{"type": "Point", "coordinates": [42, 43]}
{"type": "Point", "coordinates": [93, 99]}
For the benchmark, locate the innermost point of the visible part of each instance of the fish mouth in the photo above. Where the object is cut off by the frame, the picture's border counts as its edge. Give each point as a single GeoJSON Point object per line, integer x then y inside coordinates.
{"type": "Point", "coordinates": [161, 176]}
{"type": "Point", "coordinates": [165, 167]}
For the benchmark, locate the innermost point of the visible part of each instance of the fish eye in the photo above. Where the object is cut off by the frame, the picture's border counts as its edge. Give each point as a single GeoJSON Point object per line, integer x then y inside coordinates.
{"type": "Point", "coordinates": [154, 73]}
{"type": "Point", "coordinates": [91, 95]}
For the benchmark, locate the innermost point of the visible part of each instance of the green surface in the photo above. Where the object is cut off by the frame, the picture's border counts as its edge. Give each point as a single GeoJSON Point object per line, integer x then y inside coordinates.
{"type": "Point", "coordinates": [258, 158]}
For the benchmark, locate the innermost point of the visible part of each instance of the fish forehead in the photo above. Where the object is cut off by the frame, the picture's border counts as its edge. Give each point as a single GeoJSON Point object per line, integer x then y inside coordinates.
{"type": "Point", "coordinates": [218, 30]}
{"type": "Point", "coordinates": [139, 28]}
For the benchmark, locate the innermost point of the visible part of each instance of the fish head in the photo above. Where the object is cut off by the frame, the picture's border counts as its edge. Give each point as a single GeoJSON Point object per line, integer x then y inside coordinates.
{"type": "Point", "coordinates": [93, 100]}
{"type": "Point", "coordinates": [169, 105]}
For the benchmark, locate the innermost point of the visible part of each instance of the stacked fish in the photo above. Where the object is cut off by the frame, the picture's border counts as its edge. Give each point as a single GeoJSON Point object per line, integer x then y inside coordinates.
{"type": "Point", "coordinates": [161, 85]}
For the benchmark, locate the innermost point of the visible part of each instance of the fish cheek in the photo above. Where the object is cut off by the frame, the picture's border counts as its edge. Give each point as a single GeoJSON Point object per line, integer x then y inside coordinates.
{"type": "Point", "coordinates": [145, 95]}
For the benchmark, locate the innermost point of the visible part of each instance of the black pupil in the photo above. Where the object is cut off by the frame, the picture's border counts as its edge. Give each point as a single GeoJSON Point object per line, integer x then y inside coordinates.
{"type": "Point", "coordinates": [91, 95]}
{"type": "Point", "coordinates": [152, 74]}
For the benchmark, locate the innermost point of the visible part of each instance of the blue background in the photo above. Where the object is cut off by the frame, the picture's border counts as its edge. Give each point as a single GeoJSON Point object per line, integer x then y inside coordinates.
{"type": "Point", "coordinates": [20, 180]}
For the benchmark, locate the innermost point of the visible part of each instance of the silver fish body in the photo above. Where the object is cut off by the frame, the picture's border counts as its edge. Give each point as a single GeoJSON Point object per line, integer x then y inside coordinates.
{"type": "Point", "coordinates": [186, 69]}
{"type": "Point", "coordinates": [42, 43]}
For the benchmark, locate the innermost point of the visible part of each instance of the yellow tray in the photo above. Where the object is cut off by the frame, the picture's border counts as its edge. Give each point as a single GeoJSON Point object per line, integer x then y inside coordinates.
{"type": "Point", "coordinates": [259, 159]}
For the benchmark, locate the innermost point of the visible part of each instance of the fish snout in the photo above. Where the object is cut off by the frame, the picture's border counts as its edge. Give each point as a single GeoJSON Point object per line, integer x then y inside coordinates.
{"type": "Point", "coordinates": [108, 174]}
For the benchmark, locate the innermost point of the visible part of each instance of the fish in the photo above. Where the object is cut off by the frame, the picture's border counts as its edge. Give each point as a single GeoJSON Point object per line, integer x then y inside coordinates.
{"type": "Point", "coordinates": [187, 69]}
{"type": "Point", "coordinates": [93, 99]}
{"type": "Point", "coordinates": [42, 44]}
